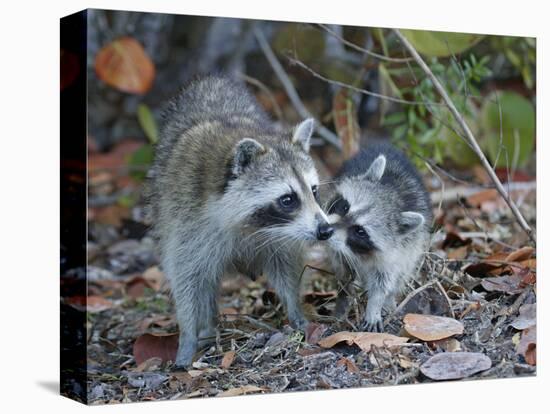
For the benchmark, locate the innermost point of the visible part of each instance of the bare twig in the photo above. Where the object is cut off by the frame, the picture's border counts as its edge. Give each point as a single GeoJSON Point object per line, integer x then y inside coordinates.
{"type": "Point", "coordinates": [362, 49]}
{"type": "Point", "coordinates": [454, 193]}
{"type": "Point", "coordinates": [326, 134]}
{"type": "Point", "coordinates": [265, 89]}
{"type": "Point", "coordinates": [356, 89]}
{"type": "Point", "coordinates": [469, 135]}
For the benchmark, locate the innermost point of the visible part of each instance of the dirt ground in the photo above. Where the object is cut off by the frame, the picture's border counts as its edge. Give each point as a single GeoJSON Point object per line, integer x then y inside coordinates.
{"type": "Point", "coordinates": [480, 272]}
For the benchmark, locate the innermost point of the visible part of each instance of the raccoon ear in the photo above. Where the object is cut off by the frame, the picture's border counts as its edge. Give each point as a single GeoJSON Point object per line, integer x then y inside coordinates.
{"type": "Point", "coordinates": [246, 151]}
{"type": "Point", "coordinates": [410, 221]}
{"type": "Point", "coordinates": [376, 169]}
{"type": "Point", "coordinates": [302, 133]}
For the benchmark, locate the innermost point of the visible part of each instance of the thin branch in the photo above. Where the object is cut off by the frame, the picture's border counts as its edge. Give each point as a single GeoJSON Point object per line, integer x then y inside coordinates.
{"type": "Point", "coordinates": [469, 135]}
{"type": "Point", "coordinates": [265, 89]}
{"type": "Point", "coordinates": [355, 89]}
{"type": "Point", "coordinates": [455, 193]}
{"type": "Point", "coordinates": [362, 49]}
{"type": "Point", "coordinates": [326, 134]}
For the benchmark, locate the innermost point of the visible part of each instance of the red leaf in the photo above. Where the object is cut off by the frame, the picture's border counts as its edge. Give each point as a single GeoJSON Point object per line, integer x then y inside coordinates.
{"type": "Point", "coordinates": [125, 65]}
{"type": "Point", "coordinates": [148, 346]}
{"type": "Point", "coordinates": [314, 332]}
{"type": "Point", "coordinates": [135, 287]}
{"type": "Point", "coordinates": [228, 359]}
{"type": "Point", "coordinates": [520, 255]}
{"type": "Point", "coordinates": [528, 345]}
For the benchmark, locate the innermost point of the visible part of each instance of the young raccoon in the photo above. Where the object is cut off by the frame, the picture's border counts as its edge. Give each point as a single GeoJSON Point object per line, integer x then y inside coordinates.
{"type": "Point", "coordinates": [381, 214]}
{"type": "Point", "coordinates": [230, 192]}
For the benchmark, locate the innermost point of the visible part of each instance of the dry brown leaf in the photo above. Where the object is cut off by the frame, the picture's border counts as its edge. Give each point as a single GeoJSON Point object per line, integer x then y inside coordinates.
{"type": "Point", "coordinates": [363, 340]}
{"type": "Point", "coordinates": [194, 373]}
{"type": "Point", "coordinates": [459, 253]}
{"type": "Point", "coordinates": [314, 331]}
{"type": "Point", "coordinates": [245, 389]}
{"type": "Point", "coordinates": [431, 328]}
{"type": "Point", "coordinates": [506, 284]}
{"type": "Point", "coordinates": [520, 255]}
{"type": "Point", "coordinates": [405, 362]}
{"type": "Point", "coordinates": [148, 365]}
{"type": "Point", "coordinates": [349, 364]}
{"type": "Point", "coordinates": [455, 365]}
{"type": "Point", "coordinates": [527, 317]}
{"type": "Point", "coordinates": [497, 257]}
{"type": "Point", "coordinates": [345, 122]}
{"type": "Point", "coordinates": [154, 277]}
{"type": "Point", "coordinates": [527, 277]}
{"type": "Point", "coordinates": [197, 393]}
{"type": "Point", "coordinates": [309, 351]}
{"type": "Point", "coordinates": [470, 308]}
{"type": "Point", "coordinates": [228, 359]}
{"type": "Point", "coordinates": [530, 264]}
{"type": "Point", "coordinates": [481, 269]}
{"type": "Point", "coordinates": [528, 345]}
{"type": "Point", "coordinates": [113, 215]}
{"type": "Point", "coordinates": [148, 346]}
{"type": "Point", "coordinates": [230, 314]}
{"type": "Point", "coordinates": [125, 65]}
{"type": "Point", "coordinates": [480, 197]}
{"type": "Point", "coordinates": [182, 377]}
{"type": "Point", "coordinates": [161, 321]}
{"type": "Point", "coordinates": [98, 304]}
{"type": "Point", "coordinates": [453, 239]}
{"type": "Point", "coordinates": [449, 344]}
{"type": "Point", "coordinates": [135, 287]}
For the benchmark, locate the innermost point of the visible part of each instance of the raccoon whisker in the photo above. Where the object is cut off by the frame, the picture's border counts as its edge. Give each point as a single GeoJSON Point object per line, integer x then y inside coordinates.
{"type": "Point", "coordinates": [266, 232]}
{"type": "Point", "coordinates": [270, 240]}
{"type": "Point", "coordinates": [288, 239]}
{"type": "Point", "coordinates": [327, 182]}
{"type": "Point", "coordinates": [332, 204]}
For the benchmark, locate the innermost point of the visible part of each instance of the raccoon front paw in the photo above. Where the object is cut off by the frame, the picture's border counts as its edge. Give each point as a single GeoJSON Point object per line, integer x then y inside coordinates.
{"type": "Point", "coordinates": [299, 323]}
{"type": "Point", "coordinates": [373, 325]}
{"type": "Point", "coordinates": [186, 352]}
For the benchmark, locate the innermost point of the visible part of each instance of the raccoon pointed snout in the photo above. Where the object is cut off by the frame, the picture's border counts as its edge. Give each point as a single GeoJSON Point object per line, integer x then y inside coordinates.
{"type": "Point", "coordinates": [324, 231]}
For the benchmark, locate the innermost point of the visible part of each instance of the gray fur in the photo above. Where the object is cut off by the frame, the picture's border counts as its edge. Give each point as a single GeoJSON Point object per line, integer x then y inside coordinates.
{"type": "Point", "coordinates": [388, 200]}
{"type": "Point", "coordinates": [220, 170]}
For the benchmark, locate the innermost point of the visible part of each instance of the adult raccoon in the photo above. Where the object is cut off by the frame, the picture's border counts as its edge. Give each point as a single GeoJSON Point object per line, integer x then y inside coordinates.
{"type": "Point", "coordinates": [230, 191]}
{"type": "Point", "coordinates": [381, 214]}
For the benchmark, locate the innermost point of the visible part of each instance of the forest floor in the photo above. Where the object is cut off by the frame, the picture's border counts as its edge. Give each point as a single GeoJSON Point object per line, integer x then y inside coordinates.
{"type": "Point", "coordinates": [478, 281]}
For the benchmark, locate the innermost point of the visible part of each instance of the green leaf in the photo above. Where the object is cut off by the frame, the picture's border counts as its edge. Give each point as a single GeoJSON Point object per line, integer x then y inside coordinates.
{"type": "Point", "coordinates": [456, 147]}
{"type": "Point", "coordinates": [394, 119]}
{"type": "Point", "coordinates": [388, 79]}
{"type": "Point", "coordinates": [147, 122]}
{"type": "Point", "coordinates": [440, 44]}
{"type": "Point", "coordinates": [140, 161]}
{"type": "Point", "coordinates": [518, 128]}
{"type": "Point", "coordinates": [306, 41]}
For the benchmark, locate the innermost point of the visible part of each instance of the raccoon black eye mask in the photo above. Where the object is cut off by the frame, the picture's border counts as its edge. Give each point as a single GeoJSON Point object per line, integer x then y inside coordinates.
{"type": "Point", "coordinates": [380, 213]}
{"type": "Point", "coordinates": [230, 191]}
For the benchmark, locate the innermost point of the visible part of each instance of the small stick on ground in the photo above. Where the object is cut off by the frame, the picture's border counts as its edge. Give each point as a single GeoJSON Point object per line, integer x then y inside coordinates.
{"type": "Point", "coordinates": [469, 136]}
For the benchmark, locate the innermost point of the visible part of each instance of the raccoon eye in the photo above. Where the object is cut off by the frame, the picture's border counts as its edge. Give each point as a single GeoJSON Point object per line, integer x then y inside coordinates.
{"type": "Point", "coordinates": [360, 231]}
{"type": "Point", "coordinates": [315, 191]}
{"type": "Point", "coordinates": [288, 201]}
{"type": "Point", "coordinates": [340, 207]}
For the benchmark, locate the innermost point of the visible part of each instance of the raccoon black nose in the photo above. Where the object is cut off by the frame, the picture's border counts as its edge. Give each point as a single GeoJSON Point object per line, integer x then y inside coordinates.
{"type": "Point", "coordinates": [324, 231]}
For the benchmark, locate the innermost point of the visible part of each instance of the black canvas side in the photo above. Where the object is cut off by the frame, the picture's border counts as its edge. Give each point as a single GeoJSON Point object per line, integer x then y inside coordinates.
{"type": "Point", "coordinates": [73, 42]}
